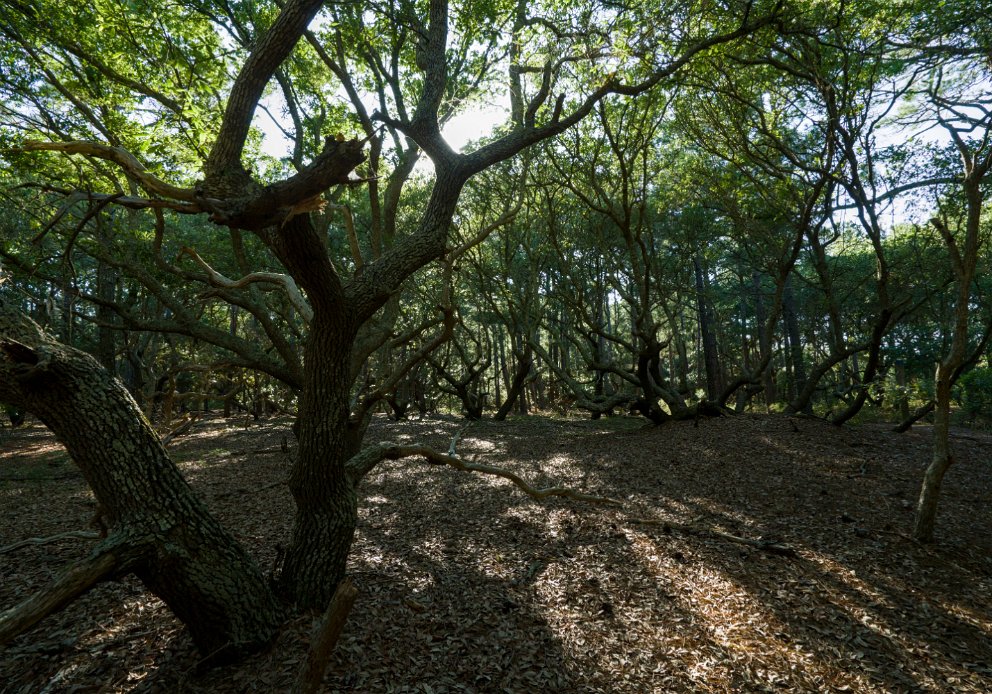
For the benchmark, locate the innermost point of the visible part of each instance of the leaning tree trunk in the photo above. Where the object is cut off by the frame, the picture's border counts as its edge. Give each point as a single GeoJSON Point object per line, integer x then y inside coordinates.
{"type": "Point", "coordinates": [525, 362]}
{"type": "Point", "coordinates": [158, 529]}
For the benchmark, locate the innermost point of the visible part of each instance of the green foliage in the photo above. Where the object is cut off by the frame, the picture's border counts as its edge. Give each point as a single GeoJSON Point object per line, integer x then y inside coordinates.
{"type": "Point", "coordinates": [975, 389]}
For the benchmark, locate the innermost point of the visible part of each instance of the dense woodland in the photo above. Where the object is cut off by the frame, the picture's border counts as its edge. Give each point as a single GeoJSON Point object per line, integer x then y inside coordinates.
{"type": "Point", "coordinates": [684, 211]}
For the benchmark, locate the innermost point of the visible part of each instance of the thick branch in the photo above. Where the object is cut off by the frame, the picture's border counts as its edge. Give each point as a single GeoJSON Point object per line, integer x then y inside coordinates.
{"type": "Point", "coordinates": [127, 161]}
{"type": "Point", "coordinates": [270, 51]}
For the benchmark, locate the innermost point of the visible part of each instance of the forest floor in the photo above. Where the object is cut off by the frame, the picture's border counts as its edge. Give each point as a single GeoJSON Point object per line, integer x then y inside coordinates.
{"type": "Point", "coordinates": [468, 585]}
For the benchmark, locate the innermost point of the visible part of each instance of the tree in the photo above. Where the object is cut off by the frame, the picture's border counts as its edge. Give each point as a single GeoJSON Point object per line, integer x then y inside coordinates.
{"type": "Point", "coordinates": [968, 121]}
{"type": "Point", "coordinates": [418, 80]}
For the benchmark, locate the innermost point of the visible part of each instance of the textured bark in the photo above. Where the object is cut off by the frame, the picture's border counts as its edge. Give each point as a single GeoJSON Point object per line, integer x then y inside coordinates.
{"type": "Point", "coordinates": [326, 499]}
{"type": "Point", "coordinates": [187, 559]}
{"type": "Point", "coordinates": [272, 48]}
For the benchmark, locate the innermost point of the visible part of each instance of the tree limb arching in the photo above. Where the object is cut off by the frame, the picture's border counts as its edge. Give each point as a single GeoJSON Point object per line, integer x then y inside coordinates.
{"type": "Point", "coordinates": [363, 463]}
{"type": "Point", "coordinates": [120, 156]}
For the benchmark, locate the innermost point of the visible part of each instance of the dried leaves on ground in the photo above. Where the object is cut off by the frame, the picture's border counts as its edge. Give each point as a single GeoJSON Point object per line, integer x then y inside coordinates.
{"type": "Point", "coordinates": [468, 585]}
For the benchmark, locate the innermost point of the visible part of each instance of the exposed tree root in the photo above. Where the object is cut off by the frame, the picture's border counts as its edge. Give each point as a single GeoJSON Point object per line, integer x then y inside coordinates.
{"type": "Point", "coordinates": [71, 535]}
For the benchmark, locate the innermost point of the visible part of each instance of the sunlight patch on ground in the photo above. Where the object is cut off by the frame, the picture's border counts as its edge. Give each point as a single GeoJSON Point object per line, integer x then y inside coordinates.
{"type": "Point", "coordinates": [710, 606]}
{"type": "Point", "coordinates": [478, 445]}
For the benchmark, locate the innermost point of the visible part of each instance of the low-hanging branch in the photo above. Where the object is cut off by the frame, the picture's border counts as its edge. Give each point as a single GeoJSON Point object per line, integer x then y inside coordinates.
{"type": "Point", "coordinates": [363, 463]}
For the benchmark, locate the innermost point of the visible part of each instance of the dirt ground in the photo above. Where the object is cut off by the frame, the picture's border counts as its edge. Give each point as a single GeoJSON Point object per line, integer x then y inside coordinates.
{"type": "Point", "coordinates": [468, 585]}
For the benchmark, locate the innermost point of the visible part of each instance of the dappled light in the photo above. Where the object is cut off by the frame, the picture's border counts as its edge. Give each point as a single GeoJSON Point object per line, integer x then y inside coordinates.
{"type": "Point", "coordinates": [464, 579]}
{"type": "Point", "coordinates": [436, 347]}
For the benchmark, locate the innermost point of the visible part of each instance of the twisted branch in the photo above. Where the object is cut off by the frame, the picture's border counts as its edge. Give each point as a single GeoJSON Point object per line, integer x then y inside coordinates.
{"type": "Point", "coordinates": [283, 280]}
{"type": "Point", "coordinates": [362, 463]}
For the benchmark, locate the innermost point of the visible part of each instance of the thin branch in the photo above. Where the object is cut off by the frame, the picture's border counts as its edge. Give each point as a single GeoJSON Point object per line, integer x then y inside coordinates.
{"type": "Point", "coordinates": [362, 463]}
{"type": "Point", "coordinates": [285, 281]}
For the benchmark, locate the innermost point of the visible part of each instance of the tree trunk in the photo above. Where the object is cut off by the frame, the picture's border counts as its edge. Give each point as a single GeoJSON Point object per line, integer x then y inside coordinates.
{"type": "Point", "coordinates": [707, 329]}
{"type": "Point", "coordinates": [795, 350]}
{"type": "Point", "coordinates": [524, 363]}
{"type": "Point", "coordinates": [326, 499]}
{"type": "Point", "coordinates": [926, 508]}
{"type": "Point", "coordinates": [764, 342]}
{"type": "Point", "coordinates": [175, 546]}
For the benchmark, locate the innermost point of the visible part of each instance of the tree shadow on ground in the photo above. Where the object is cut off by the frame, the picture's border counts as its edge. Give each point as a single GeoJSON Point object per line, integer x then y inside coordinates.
{"type": "Point", "coordinates": [468, 585]}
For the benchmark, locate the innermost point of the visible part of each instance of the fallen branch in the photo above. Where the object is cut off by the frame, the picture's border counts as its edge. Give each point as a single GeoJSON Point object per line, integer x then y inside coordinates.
{"type": "Point", "coordinates": [917, 414]}
{"type": "Point", "coordinates": [764, 545]}
{"type": "Point", "coordinates": [312, 672]}
{"type": "Point", "coordinates": [80, 577]}
{"type": "Point", "coordinates": [362, 463]}
{"type": "Point", "coordinates": [180, 430]}
{"type": "Point", "coordinates": [71, 535]}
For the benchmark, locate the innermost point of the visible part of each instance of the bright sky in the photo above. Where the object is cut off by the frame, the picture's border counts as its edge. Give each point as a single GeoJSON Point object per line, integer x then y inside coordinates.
{"type": "Point", "coordinates": [473, 124]}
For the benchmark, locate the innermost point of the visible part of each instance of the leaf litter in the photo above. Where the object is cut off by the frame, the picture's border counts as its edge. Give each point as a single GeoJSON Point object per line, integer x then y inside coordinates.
{"type": "Point", "coordinates": [468, 585]}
